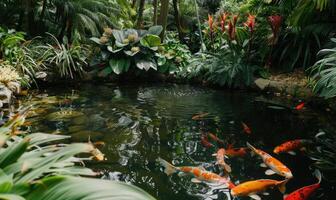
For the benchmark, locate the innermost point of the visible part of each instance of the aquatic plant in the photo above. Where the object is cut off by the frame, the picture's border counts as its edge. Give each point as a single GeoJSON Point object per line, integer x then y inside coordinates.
{"type": "Point", "coordinates": [33, 166]}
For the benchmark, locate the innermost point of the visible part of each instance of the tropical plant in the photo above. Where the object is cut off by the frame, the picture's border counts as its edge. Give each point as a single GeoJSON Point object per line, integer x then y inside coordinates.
{"type": "Point", "coordinates": [324, 72]}
{"type": "Point", "coordinates": [33, 167]}
{"type": "Point", "coordinates": [68, 60]}
{"type": "Point", "coordinates": [324, 154]}
{"type": "Point", "coordinates": [173, 56]}
{"type": "Point", "coordinates": [121, 49]}
{"type": "Point", "coordinates": [19, 53]}
{"type": "Point", "coordinates": [227, 61]}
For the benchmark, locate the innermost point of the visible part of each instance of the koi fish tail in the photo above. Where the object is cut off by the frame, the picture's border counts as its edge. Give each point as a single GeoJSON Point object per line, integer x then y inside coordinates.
{"type": "Point", "coordinates": [282, 186]}
{"type": "Point", "coordinates": [251, 147]}
{"type": "Point", "coordinates": [168, 168]}
{"type": "Point", "coordinates": [318, 175]}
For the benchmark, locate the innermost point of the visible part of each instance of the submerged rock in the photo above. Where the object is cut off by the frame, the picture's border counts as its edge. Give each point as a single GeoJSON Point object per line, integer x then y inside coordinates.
{"type": "Point", "coordinates": [64, 115]}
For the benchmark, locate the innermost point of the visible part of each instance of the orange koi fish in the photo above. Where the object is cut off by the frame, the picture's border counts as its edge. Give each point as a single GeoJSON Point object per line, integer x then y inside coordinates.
{"type": "Point", "coordinates": [300, 106]}
{"type": "Point", "coordinates": [246, 129]}
{"type": "Point", "coordinates": [276, 167]}
{"type": "Point", "coordinates": [199, 116]}
{"type": "Point", "coordinates": [305, 192]}
{"type": "Point", "coordinates": [235, 152]}
{"type": "Point", "coordinates": [290, 146]}
{"type": "Point", "coordinates": [215, 138]}
{"type": "Point", "coordinates": [201, 175]}
{"type": "Point", "coordinates": [205, 142]}
{"type": "Point", "coordinates": [252, 188]}
{"type": "Point", "coordinates": [221, 162]}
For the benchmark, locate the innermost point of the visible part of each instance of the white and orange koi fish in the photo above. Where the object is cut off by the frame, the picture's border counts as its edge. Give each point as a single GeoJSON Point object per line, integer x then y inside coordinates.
{"type": "Point", "coordinates": [252, 188]}
{"type": "Point", "coordinates": [221, 160]}
{"type": "Point", "coordinates": [276, 166]}
{"type": "Point", "coordinates": [201, 175]}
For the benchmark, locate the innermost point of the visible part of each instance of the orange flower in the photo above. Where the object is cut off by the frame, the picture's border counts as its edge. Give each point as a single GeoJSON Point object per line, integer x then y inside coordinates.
{"type": "Point", "coordinates": [223, 19]}
{"type": "Point", "coordinates": [210, 22]}
{"type": "Point", "coordinates": [250, 23]}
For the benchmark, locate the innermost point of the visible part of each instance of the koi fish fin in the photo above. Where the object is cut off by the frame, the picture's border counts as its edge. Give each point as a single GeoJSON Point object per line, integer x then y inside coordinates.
{"type": "Point", "coordinates": [285, 196]}
{"type": "Point", "coordinates": [263, 165]}
{"type": "Point", "coordinates": [168, 168]}
{"type": "Point", "coordinates": [181, 174]}
{"type": "Point", "coordinates": [269, 172]}
{"type": "Point", "coordinates": [266, 193]}
{"type": "Point", "coordinates": [282, 186]}
{"type": "Point", "coordinates": [291, 153]}
{"type": "Point", "coordinates": [214, 154]}
{"type": "Point", "coordinates": [255, 197]}
{"type": "Point", "coordinates": [318, 175]}
{"type": "Point", "coordinates": [225, 156]}
{"type": "Point", "coordinates": [251, 147]}
{"type": "Point", "coordinates": [195, 180]}
{"type": "Point", "coordinates": [227, 168]}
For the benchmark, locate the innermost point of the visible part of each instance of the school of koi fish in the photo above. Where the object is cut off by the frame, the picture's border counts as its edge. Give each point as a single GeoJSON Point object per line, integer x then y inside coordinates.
{"type": "Point", "coordinates": [251, 188]}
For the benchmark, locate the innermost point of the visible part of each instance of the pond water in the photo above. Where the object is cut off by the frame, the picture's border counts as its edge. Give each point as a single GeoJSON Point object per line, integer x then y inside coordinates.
{"type": "Point", "coordinates": [138, 124]}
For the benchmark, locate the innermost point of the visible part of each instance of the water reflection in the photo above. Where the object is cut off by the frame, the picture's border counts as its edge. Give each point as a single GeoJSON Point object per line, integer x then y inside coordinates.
{"type": "Point", "coordinates": [138, 124]}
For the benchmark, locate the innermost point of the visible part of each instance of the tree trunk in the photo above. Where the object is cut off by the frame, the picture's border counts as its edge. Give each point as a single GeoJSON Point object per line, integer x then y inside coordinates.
{"type": "Point", "coordinates": [44, 6]}
{"type": "Point", "coordinates": [155, 5]}
{"type": "Point", "coordinates": [30, 22]}
{"type": "Point", "coordinates": [163, 16]}
{"type": "Point", "coordinates": [140, 14]}
{"type": "Point", "coordinates": [177, 20]}
{"type": "Point", "coordinates": [133, 3]}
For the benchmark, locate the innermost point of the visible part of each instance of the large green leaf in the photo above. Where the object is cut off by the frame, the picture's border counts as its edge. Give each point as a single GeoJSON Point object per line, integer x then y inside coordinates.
{"type": "Point", "coordinates": [146, 64]}
{"type": "Point", "coordinates": [13, 152]}
{"type": "Point", "coordinates": [151, 41]}
{"type": "Point", "coordinates": [120, 65]}
{"type": "Point", "coordinates": [155, 30]}
{"type": "Point", "coordinates": [75, 188]}
{"type": "Point", "coordinates": [6, 182]}
{"type": "Point", "coordinates": [11, 197]}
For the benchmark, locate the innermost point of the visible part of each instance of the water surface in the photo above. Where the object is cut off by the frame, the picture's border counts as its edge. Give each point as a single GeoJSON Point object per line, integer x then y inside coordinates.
{"type": "Point", "coordinates": [138, 124]}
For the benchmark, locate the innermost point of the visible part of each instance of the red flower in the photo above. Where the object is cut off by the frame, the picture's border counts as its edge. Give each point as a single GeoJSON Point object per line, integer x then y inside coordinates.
{"type": "Point", "coordinates": [250, 23]}
{"type": "Point", "coordinates": [231, 31]}
{"type": "Point", "coordinates": [275, 23]}
{"type": "Point", "coordinates": [223, 19]}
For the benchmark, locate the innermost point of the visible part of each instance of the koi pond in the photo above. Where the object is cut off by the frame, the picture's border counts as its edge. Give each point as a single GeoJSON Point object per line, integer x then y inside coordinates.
{"type": "Point", "coordinates": [135, 125]}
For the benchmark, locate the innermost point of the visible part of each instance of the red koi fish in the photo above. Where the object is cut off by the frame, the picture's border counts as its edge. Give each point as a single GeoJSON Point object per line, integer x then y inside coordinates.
{"type": "Point", "coordinates": [246, 129]}
{"type": "Point", "coordinates": [199, 116]}
{"type": "Point", "coordinates": [220, 155]}
{"type": "Point", "coordinates": [235, 152]}
{"type": "Point", "coordinates": [276, 167]}
{"type": "Point", "coordinates": [252, 188]}
{"type": "Point", "coordinates": [305, 192]}
{"type": "Point", "coordinates": [201, 175]}
{"type": "Point", "coordinates": [205, 142]}
{"type": "Point", "coordinates": [215, 138]}
{"type": "Point", "coordinates": [300, 106]}
{"type": "Point", "coordinates": [290, 146]}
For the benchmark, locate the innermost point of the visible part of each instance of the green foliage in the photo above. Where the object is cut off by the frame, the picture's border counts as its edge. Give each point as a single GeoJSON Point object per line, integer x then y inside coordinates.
{"type": "Point", "coordinates": [33, 168]}
{"type": "Point", "coordinates": [19, 53]}
{"type": "Point", "coordinates": [324, 154]}
{"type": "Point", "coordinates": [173, 56]}
{"type": "Point", "coordinates": [76, 19]}
{"type": "Point", "coordinates": [65, 59]}
{"type": "Point", "coordinates": [324, 72]}
{"type": "Point", "coordinates": [121, 50]}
